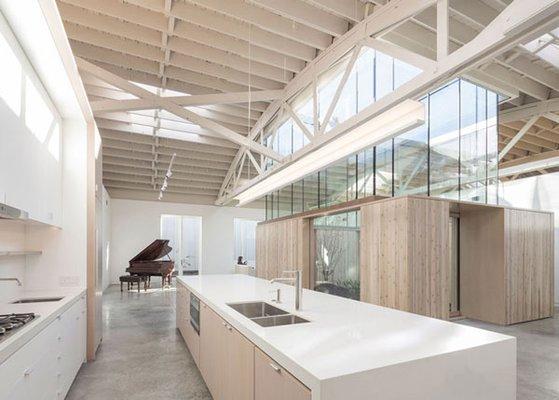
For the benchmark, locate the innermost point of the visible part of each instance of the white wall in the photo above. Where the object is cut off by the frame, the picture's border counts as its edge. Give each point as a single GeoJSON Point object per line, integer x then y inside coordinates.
{"type": "Point", "coordinates": [106, 237]}
{"type": "Point", "coordinates": [12, 237]}
{"type": "Point", "coordinates": [135, 224]}
{"type": "Point", "coordinates": [541, 193]}
{"type": "Point", "coordinates": [64, 259]}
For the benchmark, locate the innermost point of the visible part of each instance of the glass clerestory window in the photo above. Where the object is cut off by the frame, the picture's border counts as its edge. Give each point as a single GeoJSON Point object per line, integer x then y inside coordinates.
{"type": "Point", "coordinates": [453, 155]}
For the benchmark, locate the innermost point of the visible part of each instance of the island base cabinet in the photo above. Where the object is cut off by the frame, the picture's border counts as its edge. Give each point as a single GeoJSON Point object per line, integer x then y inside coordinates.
{"type": "Point", "coordinates": [272, 382]}
{"type": "Point", "coordinates": [226, 358]}
{"type": "Point", "coordinates": [190, 336]}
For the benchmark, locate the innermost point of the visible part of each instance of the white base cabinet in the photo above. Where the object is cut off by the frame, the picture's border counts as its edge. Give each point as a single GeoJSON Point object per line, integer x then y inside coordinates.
{"type": "Point", "coordinates": [45, 367]}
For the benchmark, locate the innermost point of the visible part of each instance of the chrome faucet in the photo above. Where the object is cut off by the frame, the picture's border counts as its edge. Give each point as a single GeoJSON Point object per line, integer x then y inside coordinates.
{"type": "Point", "coordinates": [297, 282]}
{"type": "Point", "coordinates": [12, 279]}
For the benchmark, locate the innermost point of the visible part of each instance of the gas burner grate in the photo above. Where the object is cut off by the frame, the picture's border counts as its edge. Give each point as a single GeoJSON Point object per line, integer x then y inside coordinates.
{"type": "Point", "coordinates": [10, 322]}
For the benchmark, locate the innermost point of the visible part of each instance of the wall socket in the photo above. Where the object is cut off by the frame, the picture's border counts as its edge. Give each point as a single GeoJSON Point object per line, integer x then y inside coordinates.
{"type": "Point", "coordinates": [69, 281]}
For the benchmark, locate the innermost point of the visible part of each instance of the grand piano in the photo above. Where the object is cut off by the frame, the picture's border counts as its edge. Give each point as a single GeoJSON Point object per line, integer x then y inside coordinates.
{"type": "Point", "coordinates": [147, 262]}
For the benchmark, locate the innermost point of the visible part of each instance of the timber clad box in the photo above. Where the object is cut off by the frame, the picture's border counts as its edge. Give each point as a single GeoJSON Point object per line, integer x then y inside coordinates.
{"type": "Point", "coordinates": [506, 256]}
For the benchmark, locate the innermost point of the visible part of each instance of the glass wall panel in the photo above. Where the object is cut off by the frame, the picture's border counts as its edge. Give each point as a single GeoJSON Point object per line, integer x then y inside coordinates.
{"type": "Point", "coordinates": [298, 197]}
{"type": "Point", "coordinates": [275, 204]}
{"type": "Point", "coordinates": [336, 257]}
{"type": "Point", "coordinates": [403, 72]}
{"type": "Point", "coordinates": [310, 192]}
{"type": "Point", "coordinates": [285, 201]}
{"type": "Point", "coordinates": [411, 159]}
{"type": "Point", "coordinates": [328, 83]}
{"type": "Point", "coordinates": [444, 125]}
{"type": "Point", "coordinates": [336, 183]}
{"type": "Point", "coordinates": [383, 169]}
{"type": "Point", "coordinates": [347, 103]}
{"type": "Point", "coordinates": [492, 147]}
{"type": "Point", "coordinates": [302, 105]}
{"type": "Point", "coordinates": [352, 189]}
{"type": "Point", "coordinates": [322, 188]}
{"type": "Point", "coordinates": [284, 139]}
{"type": "Point", "coordinates": [299, 138]}
{"type": "Point", "coordinates": [384, 75]}
{"type": "Point", "coordinates": [365, 65]}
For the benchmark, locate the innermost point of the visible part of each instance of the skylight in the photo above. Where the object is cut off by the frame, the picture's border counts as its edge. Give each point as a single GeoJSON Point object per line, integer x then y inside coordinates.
{"type": "Point", "coordinates": [546, 47]}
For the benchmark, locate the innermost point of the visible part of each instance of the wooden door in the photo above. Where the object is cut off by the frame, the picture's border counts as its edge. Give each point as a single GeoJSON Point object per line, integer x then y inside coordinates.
{"type": "Point", "coordinates": [272, 382]}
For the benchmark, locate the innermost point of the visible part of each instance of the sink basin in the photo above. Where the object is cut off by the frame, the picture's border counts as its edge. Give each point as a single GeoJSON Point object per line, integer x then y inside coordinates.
{"type": "Point", "coordinates": [278, 320]}
{"type": "Point", "coordinates": [37, 300]}
{"type": "Point", "coordinates": [256, 309]}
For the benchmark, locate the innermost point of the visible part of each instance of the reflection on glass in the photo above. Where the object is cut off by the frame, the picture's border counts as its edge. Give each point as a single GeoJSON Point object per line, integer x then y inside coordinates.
{"type": "Point", "coordinates": [336, 256]}
{"type": "Point", "coordinates": [444, 119]}
{"type": "Point", "coordinates": [383, 169]}
{"type": "Point", "coordinates": [384, 76]}
{"type": "Point", "coordinates": [411, 155]}
{"type": "Point", "coordinates": [297, 197]}
{"type": "Point", "coordinates": [310, 192]}
{"type": "Point", "coordinates": [365, 78]}
{"type": "Point", "coordinates": [284, 201]}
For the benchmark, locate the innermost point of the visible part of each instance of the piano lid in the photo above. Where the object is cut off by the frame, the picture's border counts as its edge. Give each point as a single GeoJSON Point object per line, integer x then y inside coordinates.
{"type": "Point", "coordinates": [157, 249]}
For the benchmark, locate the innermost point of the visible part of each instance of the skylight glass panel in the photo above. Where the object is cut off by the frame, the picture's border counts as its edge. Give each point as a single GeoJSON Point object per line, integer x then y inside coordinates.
{"type": "Point", "coordinates": [550, 53]}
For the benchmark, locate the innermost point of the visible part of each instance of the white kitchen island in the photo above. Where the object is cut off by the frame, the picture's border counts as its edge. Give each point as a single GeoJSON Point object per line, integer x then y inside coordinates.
{"type": "Point", "coordinates": [352, 350]}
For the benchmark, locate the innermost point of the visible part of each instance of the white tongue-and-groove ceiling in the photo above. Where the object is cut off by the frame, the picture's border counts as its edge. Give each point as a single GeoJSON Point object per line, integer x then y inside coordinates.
{"type": "Point", "coordinates": [199, 47]}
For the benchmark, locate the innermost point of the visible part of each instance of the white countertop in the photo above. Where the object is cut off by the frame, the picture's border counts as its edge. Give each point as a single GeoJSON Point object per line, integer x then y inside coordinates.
{"type": "Point", "coordinates": [344, 336]}
{"type": "Point", "coordinates": [46, 312]}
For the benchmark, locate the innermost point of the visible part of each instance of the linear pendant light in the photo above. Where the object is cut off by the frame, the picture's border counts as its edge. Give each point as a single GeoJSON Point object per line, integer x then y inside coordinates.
{"type": "Point", "coordinates": [407, 115]}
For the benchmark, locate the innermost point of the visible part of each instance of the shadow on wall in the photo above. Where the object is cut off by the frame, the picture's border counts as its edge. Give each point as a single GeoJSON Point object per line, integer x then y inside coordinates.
{"type": "Point", "coordinates": [539, 193]}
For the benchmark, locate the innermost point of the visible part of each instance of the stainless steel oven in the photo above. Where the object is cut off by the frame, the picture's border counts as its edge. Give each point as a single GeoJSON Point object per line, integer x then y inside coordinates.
{"type": "Point", "coordinates": [195, 313]}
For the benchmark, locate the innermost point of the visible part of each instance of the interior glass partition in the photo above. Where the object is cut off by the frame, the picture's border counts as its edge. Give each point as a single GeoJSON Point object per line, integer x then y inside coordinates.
{"type": "Point", "coordinates": [336, 254]}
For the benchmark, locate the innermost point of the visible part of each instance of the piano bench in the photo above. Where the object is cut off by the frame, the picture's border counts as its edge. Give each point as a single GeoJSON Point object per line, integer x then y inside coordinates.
{"type": "Point", "coordinates": [131, 279]}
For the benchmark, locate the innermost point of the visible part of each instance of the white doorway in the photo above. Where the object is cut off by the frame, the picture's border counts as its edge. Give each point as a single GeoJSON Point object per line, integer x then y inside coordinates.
{"type": "Point", "coordinates": [184, 233]}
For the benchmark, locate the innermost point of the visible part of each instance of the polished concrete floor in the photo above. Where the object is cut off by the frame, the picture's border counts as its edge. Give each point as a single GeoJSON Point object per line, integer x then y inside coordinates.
{"type": "Point", "coordinates": [143, 357]}
{"type": "Point", "coordinates": [537, 356]}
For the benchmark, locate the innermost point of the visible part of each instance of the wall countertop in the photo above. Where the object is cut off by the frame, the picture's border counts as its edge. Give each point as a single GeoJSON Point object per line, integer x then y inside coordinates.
{"type": "Point", "coordinates": [348, 338]}
{"type": "Point", "coordinates": [45, 312]}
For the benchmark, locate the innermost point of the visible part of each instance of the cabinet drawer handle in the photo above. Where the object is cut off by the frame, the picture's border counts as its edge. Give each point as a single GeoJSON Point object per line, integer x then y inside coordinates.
{"type": "Point", "coordinates": [275, 368]}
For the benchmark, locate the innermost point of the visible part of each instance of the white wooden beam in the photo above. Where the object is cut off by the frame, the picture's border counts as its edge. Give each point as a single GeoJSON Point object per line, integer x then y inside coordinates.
{"type": "Point", "coordinates": [552, 116]}
{"type": "Point", "coordinates": [518, 136]}
{"type": "Point", "coordinates": [528, 110]}
{"type": "Point", "coordinates": [195, 100]}
{"type": "Point", "coordinates": [519, 20]}
{"type": "Point", "coordinates": [174, 108]}
{"type": "Point", "coordinates": [442, 29]}
{"type": "Point", "coordinates": [306, 14]}
{"type": "Point", "coordinates": [353, 10]}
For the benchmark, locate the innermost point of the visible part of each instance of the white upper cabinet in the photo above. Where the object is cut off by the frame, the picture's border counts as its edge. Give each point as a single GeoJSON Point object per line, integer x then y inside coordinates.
{"type": "Point", "coordinates": [30, 137]}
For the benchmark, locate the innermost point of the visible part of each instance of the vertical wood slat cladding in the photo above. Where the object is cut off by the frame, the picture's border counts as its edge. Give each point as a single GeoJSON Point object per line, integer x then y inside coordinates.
{"type": "Point", "coordinates": [482, 265]}
{"type": "Point", "coordinates": [405, 255]}
{"type": "Point", "coordinates": [529, 263]}
{"type": "Point", "coordinates": [282, 245]}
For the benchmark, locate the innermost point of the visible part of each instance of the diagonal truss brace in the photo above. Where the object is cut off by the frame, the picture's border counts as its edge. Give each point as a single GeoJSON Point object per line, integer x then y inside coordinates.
{"type": "Point", "coordinates": [176, 109]}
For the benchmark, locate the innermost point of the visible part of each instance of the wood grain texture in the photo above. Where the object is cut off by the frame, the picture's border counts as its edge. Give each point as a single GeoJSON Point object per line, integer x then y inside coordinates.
{"type": "Point", "coordinates": [283, 246]}
{"type": "Point", "coordinates": [272, 382]}
{"type": "Point", "coordinates": [529, 263]}
{"type": "Point", "coordinates": [405, 255]}
{"type": "Point", "coordinates": [482, 265]}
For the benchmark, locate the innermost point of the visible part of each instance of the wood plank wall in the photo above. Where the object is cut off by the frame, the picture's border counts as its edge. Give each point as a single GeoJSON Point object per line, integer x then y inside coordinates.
{"type": "Point", "coordinates": [482, 265]}
{"type": "Point", "coordinates": [529, 263]}
{"type": "Point", "coordinates": [283, 245]}
{"type": "Point", "coordinates": [405, 255]}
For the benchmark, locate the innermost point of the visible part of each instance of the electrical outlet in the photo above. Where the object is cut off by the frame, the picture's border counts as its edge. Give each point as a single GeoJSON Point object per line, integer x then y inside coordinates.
{"type": "Point", "coordinates": [69, 281]}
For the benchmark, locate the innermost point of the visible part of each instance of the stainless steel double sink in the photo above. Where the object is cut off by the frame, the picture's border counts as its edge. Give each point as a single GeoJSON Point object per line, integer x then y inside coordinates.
{"type": "Point", "coordinates": [265, 314]}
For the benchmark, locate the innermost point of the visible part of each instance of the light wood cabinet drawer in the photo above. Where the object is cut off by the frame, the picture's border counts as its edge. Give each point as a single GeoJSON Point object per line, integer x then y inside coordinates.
{"type": "Point", "coordinates": [273, 382]}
